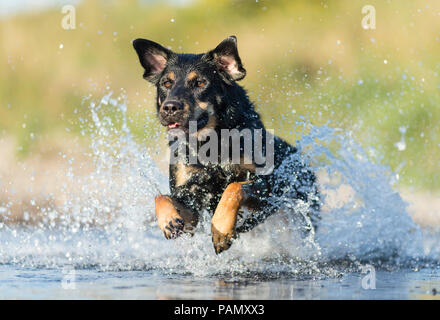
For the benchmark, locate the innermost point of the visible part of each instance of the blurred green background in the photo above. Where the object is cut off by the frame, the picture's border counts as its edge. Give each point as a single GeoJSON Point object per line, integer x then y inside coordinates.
{"type": "Point", "coordinates": [304, 58]}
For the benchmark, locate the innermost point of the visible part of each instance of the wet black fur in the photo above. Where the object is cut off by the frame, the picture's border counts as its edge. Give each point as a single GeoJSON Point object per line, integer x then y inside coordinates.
{"type": "Point", "coordinates": [232, 109]}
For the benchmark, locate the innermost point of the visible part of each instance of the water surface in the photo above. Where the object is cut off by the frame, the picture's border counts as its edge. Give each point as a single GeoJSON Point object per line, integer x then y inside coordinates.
{"type": "Point", "coordinates": [25, 283]}
{"type": "Point", "coordinates": [102, 238]}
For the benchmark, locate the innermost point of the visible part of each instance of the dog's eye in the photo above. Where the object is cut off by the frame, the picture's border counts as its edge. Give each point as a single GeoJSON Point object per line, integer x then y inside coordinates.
{"type": "Point", "coordinates": [168, 84]}
{"type": "Point", "coordinates": [200, 83]}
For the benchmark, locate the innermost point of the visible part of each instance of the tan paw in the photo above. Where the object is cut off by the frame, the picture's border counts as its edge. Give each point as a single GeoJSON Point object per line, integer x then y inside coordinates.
{"type": "Point", "coordinates": [221, 241]}
{"type": "Point", "coordinates": [168, 219]}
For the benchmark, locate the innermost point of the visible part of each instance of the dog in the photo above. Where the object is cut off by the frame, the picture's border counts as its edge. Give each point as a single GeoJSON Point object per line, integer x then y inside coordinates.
{"type": "Point", "coordinates": [203, 89]}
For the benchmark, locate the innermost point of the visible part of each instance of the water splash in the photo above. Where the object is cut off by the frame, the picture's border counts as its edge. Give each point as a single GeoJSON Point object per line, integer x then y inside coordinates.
{"type": "Point", "coordinates": [107, 222]}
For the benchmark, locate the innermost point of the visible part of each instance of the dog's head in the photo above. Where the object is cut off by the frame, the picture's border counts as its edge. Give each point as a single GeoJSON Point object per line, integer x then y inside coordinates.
{"type": "Point", "coordinates": [190, 87]}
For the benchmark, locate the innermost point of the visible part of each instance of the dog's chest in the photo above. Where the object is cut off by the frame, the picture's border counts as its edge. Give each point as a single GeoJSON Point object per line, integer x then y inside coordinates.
{"type": "Point", "coordinates": [199, 175]}
{"type": "Point", "coordinates": [183, 172]}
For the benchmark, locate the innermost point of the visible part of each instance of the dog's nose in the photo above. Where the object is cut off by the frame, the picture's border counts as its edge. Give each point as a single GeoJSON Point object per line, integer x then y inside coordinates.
{"type": "Point", "coordinates": [171, 107]}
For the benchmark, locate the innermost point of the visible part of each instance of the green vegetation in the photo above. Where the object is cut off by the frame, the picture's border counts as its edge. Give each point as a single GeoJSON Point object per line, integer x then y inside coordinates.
{"type": "Point", "coordinates": [312, 57]}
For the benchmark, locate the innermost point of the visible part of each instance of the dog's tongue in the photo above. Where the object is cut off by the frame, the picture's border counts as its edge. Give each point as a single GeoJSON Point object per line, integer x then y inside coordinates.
{"type": "Point", "coordinates": [173, 125]}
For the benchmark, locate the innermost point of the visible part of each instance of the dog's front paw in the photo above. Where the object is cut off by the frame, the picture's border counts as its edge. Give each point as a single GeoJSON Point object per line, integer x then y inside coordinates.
{"type": "Point", "coordinates": [168, 219]}
{"type": "Point", "coordinates": [173, 229]}
{"type": "Point", "coordinates": [221, 241]}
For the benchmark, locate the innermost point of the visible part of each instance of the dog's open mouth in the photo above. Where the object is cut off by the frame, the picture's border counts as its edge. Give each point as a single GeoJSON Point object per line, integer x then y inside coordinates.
{"type": "Point", "coordinates": [173, 125]}
{"type": "Point", "coordinates": [201, 122]}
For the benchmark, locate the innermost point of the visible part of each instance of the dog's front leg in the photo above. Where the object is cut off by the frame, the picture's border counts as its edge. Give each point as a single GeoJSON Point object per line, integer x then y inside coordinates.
{"type": "Point", "coordinates": [225, 216]}
{"type": "Point", "coordinates": [173, 218]}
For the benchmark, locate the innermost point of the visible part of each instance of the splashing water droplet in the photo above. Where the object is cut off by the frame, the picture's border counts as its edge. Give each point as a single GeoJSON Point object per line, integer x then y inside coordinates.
{"type": "Point", "coordinates": [108, 222]}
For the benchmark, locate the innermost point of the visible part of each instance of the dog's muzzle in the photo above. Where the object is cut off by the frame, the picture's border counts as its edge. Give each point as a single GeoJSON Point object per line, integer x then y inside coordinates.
{"type": "Point", "coordinates": [172, 114]}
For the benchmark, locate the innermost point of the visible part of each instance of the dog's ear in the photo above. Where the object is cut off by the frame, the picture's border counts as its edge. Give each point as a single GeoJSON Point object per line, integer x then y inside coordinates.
{"type": "Point", "coordinates": [153, 57]}
{"type": "Point", "coordinates": [227, 60]}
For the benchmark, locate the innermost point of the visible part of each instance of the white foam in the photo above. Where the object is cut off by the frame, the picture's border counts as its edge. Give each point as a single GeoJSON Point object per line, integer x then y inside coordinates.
{"type": "Point", "coordinates": [110, 224]}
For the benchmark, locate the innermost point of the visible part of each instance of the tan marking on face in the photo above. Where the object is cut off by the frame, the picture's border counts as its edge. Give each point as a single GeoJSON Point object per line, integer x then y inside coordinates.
{"type": "Point", "coordinates": [171, 76]}
{"type": "Point", "coordinates": [192, 75]}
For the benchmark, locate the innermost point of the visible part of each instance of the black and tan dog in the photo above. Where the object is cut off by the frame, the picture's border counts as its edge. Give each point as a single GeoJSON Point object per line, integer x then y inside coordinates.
{"type": "Point", "coordinates": [203, 88]}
